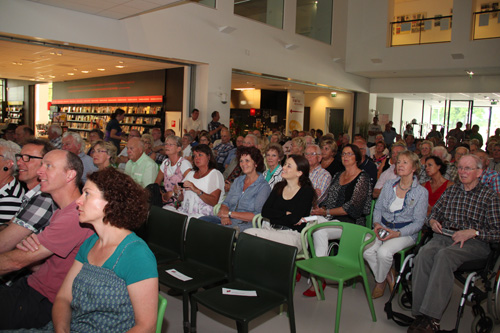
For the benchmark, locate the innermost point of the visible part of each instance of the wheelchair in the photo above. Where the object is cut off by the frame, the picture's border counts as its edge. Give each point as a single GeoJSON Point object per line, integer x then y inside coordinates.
{"type": "Point", "coordinates": [481, 281]}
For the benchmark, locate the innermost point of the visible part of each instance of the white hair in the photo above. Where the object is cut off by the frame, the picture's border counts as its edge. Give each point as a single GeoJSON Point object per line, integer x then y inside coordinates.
{"type": "Point", "coordinates": [56, 129]}
{"type": "Point", "coordinates": [10, 151]}
{"type": "Point", "coordinates": [77, 138]}
{"type": "Point", "coordinates": [442, 153]}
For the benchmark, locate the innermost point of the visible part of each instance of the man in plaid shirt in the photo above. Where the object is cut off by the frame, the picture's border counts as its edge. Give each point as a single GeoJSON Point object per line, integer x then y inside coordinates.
{"type": "Point", "coordinates": [465, 220]}
{"type": "Point", "coordinates": [37, 207]}
{"type": "Point", "coordinates": [223, 149]}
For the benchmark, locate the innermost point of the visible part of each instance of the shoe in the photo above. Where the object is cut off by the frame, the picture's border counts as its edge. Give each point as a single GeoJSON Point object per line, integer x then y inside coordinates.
{"type": "Point", "coordinates": [415, 324]}
{"type": "Point", "coordinates": [392, 281]}
{"type": "Point", "coordinates": [311, 292]}
{"type": "Point", "coordinates": [298, 276]}
{"type": "Point", "coordinates": [378, 291]}
{"type": "Point", "coordinates": [427, 325]}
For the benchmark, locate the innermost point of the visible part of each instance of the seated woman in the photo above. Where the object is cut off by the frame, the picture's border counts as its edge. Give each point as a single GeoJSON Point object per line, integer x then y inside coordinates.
{"type": "Point", "coordinates": [290, 200]}
{"type": "Point", "coordinates": [379, 156]}
{"type": "Point", "coordinates": [435, 169]}
{"type": "Point", "coordinates": [398, 217]}
{"type": "Point", "coordinates": [205, 140]}
{"type": "Point", "coordinates": [172, 171]}
{"type": "Point", "coordinates": [247, 195]}
{"type": "Point", "coordinates": [328, 161]}
{"type": "Point", "coordinates": [11, 190]}
{"type": "Point", "coordinates": [148, 141]}
{"type": "Point", "coordinates": [348, 199]}
{"type": "Point", "coordinates": [274, 155]}
{"type": "Point", "coordinates": [113, 283]}
{"type": "Point", "coordinates": [104, 154]}
{"type": "Point", "coordinates": [298, 146]}
{"type": "Point", "coordinates": [202, 188]}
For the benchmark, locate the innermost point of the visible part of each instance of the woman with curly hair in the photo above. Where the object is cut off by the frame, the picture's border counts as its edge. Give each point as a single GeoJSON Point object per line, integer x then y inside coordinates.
{"type": "Point", "coordinates": [113, 283]}
{"type": "Point", "coordinates": [247, 194]}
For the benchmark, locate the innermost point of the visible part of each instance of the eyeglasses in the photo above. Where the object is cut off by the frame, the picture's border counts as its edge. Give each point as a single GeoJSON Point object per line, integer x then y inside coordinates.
{"type": "Point", "coordinates": [101, 151]}
{"type": "Point", "coordinates": [311, 154]}
{"type": "Point", "coordinates": [26, 158]}
{"type": "Point", "coordinates": [347, 154]}
{"type": "Point", "coordinates": [170, 144]}
{"type": "Point", "coordinates": [466, 169]}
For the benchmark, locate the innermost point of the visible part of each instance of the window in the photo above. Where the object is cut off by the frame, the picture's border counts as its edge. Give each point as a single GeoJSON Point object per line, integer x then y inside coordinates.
{"type": "Point", "coordinates": [314, 19]}
{"type": "Point", "coordinates": [431, 23]}
{"type": "Point", "coordinates": [266, 11]}
{"type": "Point", "coordinates": [486, 20]}
{"type": "Point", "coordinates": [208, 3]}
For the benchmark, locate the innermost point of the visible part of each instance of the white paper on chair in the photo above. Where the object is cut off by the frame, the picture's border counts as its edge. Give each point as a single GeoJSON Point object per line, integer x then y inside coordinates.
{"type": "Point", "coordinates": [178, 275]}
{"type": "Point", "coordinates": [236, 292]}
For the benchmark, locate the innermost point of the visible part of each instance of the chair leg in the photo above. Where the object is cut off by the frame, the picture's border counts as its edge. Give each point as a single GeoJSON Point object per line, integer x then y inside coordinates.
{"type": "Point", "coordinates": [339, 306]}
{"type": "Point", "coordinates": [291, 315]}
{"type": "Point", "coordinates": [242, 327]}
{"type": "Point", "coordinates": [185, 311]}
{"type": "Point", "coordinates": [194, 311]}
{"type": "Point", "coordinates": [318, 289]}
{"type": "Point", "coordinates": [370, 300]}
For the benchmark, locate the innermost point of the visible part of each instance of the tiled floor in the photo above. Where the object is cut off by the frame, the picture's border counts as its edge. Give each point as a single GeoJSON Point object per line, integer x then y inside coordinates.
{"type": "Point", "coordinates": [316, 316]}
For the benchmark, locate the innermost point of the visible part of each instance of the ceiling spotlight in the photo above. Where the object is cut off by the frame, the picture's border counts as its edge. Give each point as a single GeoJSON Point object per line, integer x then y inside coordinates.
{"type": "Point", "coordinates": [52, 53]}
{"type": "Point", "coordinates": [59, 54]}
{"type": "Point", "coordinates": [101, 69]}
{"type": "Point", "coordinates": [120, 62]}
{"type": "Point", "coordinates": [51, 76]}
{"type": "Point", "coordinates": [85, 72]}
{"type": "Point", "coordinates": [470, 73]}
{"type": "Point", "coordinates": [71, 73]}
{"type": "Point", "coordinates": [120, 66]}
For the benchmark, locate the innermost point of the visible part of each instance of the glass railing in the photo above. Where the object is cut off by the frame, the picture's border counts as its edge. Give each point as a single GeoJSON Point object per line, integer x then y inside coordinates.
{"type": "Point", "coordinates": [486, 24]}
{"type": "Point", "coordinates": [421, 31]}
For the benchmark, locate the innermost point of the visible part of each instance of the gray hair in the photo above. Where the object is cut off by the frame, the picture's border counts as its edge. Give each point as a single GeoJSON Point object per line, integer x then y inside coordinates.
{"type": "Point", "coordinates": [77, 138]}
{"type": "Point", "coordinates": [10, 151]}
{"type": "Point", "coordinates": [254, 138]}
{"type": "Point", "coordinates": [56, 129]}
{"type": "Point", "coordinates": [441, 152]}
{"type": "Point", "coordinates": [316, 147]}
{"type": "Point", "coordinates": [479, 163]}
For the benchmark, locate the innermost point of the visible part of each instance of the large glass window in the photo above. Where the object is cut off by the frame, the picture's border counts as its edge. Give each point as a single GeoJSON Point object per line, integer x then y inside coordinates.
{"type": "Point", "coordinates": [314, 19]}
{"type": "Point", "coordinates": [266, 11]}
{"type": "Point", "coordinates": [208, 3]}
{"type": "Point", "coordinates": [486, 19]}
{"type": "Point", "coordinates": [430, 23]}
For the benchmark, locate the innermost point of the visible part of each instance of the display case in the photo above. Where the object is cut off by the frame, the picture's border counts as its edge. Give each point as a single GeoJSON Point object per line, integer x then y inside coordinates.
{"type": "Point", "coordinates": [15, 112]}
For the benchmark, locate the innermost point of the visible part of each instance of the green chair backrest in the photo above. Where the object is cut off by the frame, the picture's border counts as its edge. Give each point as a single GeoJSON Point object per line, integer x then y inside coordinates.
{"type": "Point", "coordinates": [162, 305]}
{"type": "Point", "coordinates": [209, 244]}
{"type": "Point", "coordinates": [352, 240]}
{"type": "Point", "coordinates": [369, 218]}
{"type": "Point", "coordinates": [265, 263]}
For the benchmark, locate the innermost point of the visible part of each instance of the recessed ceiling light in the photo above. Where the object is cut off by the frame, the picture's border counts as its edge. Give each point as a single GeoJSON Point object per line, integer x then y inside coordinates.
{"type": "Point", "coordinates": [75, 69]}
{"type": "Point", "coordinates": [32, 79]}
{"type": "Point", "coordinates": [71, 73]}
{"type": "Point", "coordinates": [101, 69]}
{"type": "Point", "coordinates": [51, 76]}
{"type": "Point", "coordinates": [52, 53]}
{"type": "Point", "coordinates": [120, 62]}
{"type": "Point", "coordinates": [85, 72]}
{"type": "Point", "coordinates": [120, 66]}
{"type": "Point", "coordinates": [59, 53]}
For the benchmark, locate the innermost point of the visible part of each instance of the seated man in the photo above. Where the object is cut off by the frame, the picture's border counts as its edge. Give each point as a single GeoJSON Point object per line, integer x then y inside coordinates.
{"type": "Point", "coordinates": [470, 213]}
{"type": "Point", "coordinates": [222, 150]}
{"type": "Point", "coordinates": [140, 166]}
{"type": "Point", "coordinates": [37, 207]}
{"type": "Point", "coordinates": [73, 142]}
{"type": "Point", "coordinates": [28, 302]}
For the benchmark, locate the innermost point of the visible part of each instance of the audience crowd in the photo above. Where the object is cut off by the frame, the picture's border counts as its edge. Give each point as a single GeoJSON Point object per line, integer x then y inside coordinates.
{"type": "Point", "coordinates": [405, 184]}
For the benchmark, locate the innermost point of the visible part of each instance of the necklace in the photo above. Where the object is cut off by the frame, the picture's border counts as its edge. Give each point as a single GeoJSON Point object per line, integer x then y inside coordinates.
{"type": "Point", "coordinates": [402, 188]}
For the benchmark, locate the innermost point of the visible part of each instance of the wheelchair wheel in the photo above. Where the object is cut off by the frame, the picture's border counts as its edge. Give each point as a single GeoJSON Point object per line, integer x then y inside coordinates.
{"type": "Point", "coordinates": [483, 324]}
{"type": "Point", "coordinates": [404, 301]}
{"type": "Point", "coordinates": [494, 294]}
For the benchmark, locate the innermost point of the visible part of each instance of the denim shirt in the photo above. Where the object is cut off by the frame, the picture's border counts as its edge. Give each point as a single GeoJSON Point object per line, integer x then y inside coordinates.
{"type": "Point", "coordinates": [251, 200]}
{"type": "Point", "coordinates": [414, 207]}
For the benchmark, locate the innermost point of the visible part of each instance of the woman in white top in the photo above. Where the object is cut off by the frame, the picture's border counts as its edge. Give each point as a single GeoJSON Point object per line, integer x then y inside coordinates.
{"type": "Point", "coordinates": [173, 169]}
{"type": "Point", "coordinates": [203, 187]}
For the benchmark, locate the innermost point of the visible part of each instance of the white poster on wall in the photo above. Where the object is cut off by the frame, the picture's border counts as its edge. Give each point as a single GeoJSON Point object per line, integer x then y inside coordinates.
{"type": "Point", "coordinates": [295, 111]}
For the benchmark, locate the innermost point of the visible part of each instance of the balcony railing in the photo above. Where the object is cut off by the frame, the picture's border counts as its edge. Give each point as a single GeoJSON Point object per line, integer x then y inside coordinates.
{"type": "Point", "coordinates": [486, 24]}
{"type": "Point", "coordinates": [421, 31]}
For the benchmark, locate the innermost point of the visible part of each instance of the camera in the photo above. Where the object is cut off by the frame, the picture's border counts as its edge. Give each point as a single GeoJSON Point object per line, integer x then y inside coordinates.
{"type": "Point", "coordinates": [181, 184]}
{"type": "Point", "coordinates": [382, 233]}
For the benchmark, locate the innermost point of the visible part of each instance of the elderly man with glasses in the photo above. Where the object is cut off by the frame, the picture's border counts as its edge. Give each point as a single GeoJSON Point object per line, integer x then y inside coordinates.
{"type": "Point", "coordinates": [320, 178]}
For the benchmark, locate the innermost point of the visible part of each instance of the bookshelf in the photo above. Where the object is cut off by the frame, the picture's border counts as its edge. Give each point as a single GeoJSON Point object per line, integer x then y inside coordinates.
{"type": "Point", "coordinates": [15, 112]}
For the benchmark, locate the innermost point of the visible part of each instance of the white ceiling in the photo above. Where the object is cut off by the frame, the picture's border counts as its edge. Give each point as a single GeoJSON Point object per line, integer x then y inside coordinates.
{"type": "Point", "coordinates": [115, 9]}
{"type": "Point", "coordinates": [49, 64]}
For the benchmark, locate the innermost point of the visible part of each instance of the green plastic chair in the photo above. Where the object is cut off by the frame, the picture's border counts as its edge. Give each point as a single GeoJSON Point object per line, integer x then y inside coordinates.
{"type": "Point", "coordinates": [261, 265]}
{"type": "Point", "coordinates": [346, 265]}
{"type": "Point", "coordinates": [369, 218]}
{"type": "Point", "coordinates": [162, 305]}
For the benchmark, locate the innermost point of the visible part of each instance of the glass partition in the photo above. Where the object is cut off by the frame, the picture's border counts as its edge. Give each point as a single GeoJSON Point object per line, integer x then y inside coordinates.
{"type": "Point", "coordinates": [486, 20]}
{"type": "Point", "coordinates": [481, 116]}
{"type": "Point", "coordinates": [314, 19]}
{"type": "Point", "coordinates": [265, 11]}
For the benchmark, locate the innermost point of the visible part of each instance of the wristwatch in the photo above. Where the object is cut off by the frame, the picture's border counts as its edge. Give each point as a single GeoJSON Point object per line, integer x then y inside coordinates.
{"type": "Point", "coordinates": [327, 216]}
{"type": "Point", "coordinates": [229, 214]}
{"type": "Point", "coordinates": [477, 234]}
{"type": "Point", "coordinates": [201, 193]}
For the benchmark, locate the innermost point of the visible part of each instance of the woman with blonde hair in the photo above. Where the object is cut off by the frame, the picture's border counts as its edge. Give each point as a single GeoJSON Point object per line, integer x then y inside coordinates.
{"type": "Point", "coordinates": [104, 154]}
{"type": "Point", "coordinates": [298, 146]}
{"type": "Point", "coordinates": [328, 152]}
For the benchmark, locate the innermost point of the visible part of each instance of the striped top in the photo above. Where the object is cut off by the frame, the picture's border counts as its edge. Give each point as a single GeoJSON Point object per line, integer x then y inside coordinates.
{"type": "Point", "coordinates": [11, 196]}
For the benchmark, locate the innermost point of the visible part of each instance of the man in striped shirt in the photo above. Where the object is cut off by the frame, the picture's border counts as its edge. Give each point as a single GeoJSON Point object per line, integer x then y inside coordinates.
{"type": "Point", "coordinates": [36, 207]}
{"type": "Point", "coordinates": [11, 190]}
